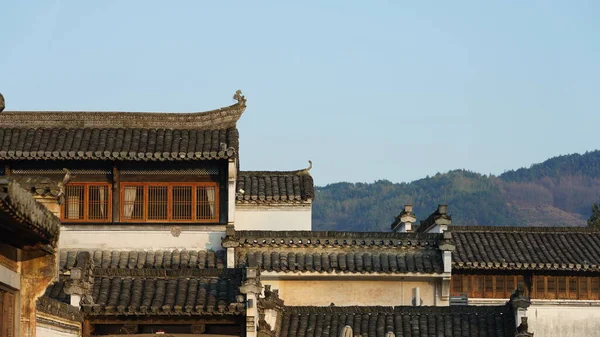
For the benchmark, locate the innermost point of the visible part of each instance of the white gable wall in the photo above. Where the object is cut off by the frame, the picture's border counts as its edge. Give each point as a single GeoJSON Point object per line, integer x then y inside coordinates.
{"type": "Point", "coordinates": [273, 217]}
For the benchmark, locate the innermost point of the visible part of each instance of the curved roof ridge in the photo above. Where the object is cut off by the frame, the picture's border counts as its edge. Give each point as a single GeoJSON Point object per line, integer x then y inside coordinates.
{"type": "Point", "coordinates": [334, 234]}
{"type": "Point", "coordinates": [298, 172]}
{"type": "Point", "coordinates": [513, 229]}
{"type": "Point", "coordinates": [221, 118]}
{"type": "Point", "coordinates": [270, 173]}
{"type": "Point", "coordinates": [397, 309]}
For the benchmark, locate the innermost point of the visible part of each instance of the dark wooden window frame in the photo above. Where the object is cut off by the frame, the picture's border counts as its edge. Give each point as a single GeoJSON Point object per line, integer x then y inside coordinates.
{"type": "Point", "coordinates": [544, 287]}
{"type": "Point", "coordinates": [484, 286]}
{"type": "Point", "coordinates": [86, 204]}
{"type": "Point", "coordinates": [565, 287]}
{"type": "Point", "coordinates": [170, 185]}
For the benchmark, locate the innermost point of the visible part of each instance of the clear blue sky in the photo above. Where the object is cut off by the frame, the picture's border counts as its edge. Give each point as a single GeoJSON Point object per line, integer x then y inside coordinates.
{"type": "Point", "coordinates": [367, 90]}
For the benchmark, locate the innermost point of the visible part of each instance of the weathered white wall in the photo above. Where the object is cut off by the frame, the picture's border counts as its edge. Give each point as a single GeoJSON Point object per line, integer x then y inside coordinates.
{"type": "Point", "coordinates": [344, 292]}
{"type": "Point", "coordinates": [564, 319]}
{"type": "Point", "coordinates": [274, 217]}
{"type": "Point", "coordinates": [45, 330]}
{"type": "Point", "coordinates": [140, 237]}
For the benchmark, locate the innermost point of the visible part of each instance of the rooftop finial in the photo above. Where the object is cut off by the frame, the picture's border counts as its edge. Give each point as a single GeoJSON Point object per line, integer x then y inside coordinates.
{"type": "Point", "coordinates": [1, 102]}
{"type": "Point", "coordinates": [305, 172]}
{"type": "Point", "coordinates": [240, 98]}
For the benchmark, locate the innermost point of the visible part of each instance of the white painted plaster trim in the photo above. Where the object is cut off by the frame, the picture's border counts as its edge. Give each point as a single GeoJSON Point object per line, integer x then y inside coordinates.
{"type": "Point", "coordinates": [10, 278]}
{"type": "Point", "coordinates": [230, 257]}
{"type": "Point", "coordinates": [132, 239]}
{"type": "Point", "coordinates": [571, 303]}
{"type": "Point", "coordinates": [270, 275]}
{"type": "Point", "coordinates": [447, 257]}
{"type": "Point", "coordinates": [231, 190]}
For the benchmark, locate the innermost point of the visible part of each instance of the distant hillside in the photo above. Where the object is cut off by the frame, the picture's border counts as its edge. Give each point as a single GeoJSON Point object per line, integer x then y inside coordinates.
{"type": "Point", "coordinates": [557, 192]}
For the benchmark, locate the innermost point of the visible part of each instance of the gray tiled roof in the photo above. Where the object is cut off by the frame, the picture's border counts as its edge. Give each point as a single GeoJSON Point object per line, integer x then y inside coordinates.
{"type": "Point", "coordinates": [57, 308]}
{"type": "Point", "coordinates": [140, 259]}
{"type": "Point", "coordinates": [121, 135]}
{"type": "Point", "coordinates": [161, 282]}
{"type": "Point", "coordinates": [519, 248]}
{"type": "Point", "coordinates": [24, 220]}
{"type": "Point", "coordinates": [339, 252]}
{"type": "Point", "coordinates": [342, 261]}
{"type": "Point", "coordinates": [383, 240]}
{"type": "Point", "coordinates": [56, 291]}
{"type": "Point", "coordinates": [274, 187]}
{"type": "Point", "coordinates": [490, 321]}
{"type": "Point", "coordinates": [213, 293]}
{"type": "Point", "coordinates": [134, 144]}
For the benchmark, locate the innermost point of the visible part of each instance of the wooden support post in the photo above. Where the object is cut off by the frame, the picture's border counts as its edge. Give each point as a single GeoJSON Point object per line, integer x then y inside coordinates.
{"type": "Point", "coordinates": [116, 195]}
{"type": "Point", "coordinates": [37, 272]}
{"type": "Point", "coordinates": [86, 328]}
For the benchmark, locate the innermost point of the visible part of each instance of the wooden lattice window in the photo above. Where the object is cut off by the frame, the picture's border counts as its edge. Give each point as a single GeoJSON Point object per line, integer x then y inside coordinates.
{"type": "Point", "coordinates": [566, 287]}
{"type": "Point", "coordinates": [181, 202]}
{"type": "Point", "coordinates": [7, 313]}
{"type": "Point", "coordinates": [485, 286]}
{"type": "Point", "coordinates": [594, 288]}
{"type": "Point", "coordinates": [89, 202]}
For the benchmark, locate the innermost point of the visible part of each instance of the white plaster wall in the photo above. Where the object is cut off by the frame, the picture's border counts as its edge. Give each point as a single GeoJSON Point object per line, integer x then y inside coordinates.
{"type": "Point", "coordinates": [282, 217]}
{"type": "Point", "coordinates": [10, 278]}
{"type": "Point", "coordinates": [144, 237]}
{"type": "Point", "coordinates": [43, 330]}
{"type": "Point", "coordinates": [352, 292]}
{"type": "Point", "coordinates": [564, 320]}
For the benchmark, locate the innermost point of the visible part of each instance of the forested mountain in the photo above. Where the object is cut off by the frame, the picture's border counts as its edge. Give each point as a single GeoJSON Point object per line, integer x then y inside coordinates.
{"type": "Point", "coordinates": [557, 192]}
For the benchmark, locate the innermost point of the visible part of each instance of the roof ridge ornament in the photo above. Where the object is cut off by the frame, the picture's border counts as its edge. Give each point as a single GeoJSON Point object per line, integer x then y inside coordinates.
{"type": "Point", "coordinates": [2, 103]}
{"type": "Point", "coordinates": [305, 172]}
{"type": "Point", "coordinates": [62, 185]}
{"type": "Point", "coordinates": [240, 98]}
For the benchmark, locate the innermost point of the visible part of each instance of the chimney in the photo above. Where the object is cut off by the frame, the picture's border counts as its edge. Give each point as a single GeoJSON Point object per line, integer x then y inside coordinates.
{"type": "Point", "coordinates": [443, 220]}
{"type": "Point", "coordinates": [437, 222]}
{"type": "Point", "coordinates": [442, 209]}
{"type": "Point", "coordinates": [404, 220]}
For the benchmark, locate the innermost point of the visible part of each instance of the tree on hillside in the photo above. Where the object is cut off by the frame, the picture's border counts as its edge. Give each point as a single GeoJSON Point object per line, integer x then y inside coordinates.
{"type": "Point", "coordinates": [594, 220]}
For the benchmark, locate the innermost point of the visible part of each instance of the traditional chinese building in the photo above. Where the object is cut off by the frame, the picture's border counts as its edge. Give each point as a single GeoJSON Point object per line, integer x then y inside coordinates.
{"type": "Point", "coordinates": [559, 267]}
{"type": "Point", "coordinates": [162, 233]}
{"type": "Point", "coordinates": [143, 201]}
{"type": "Point", "coordinates": [28, 247]}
